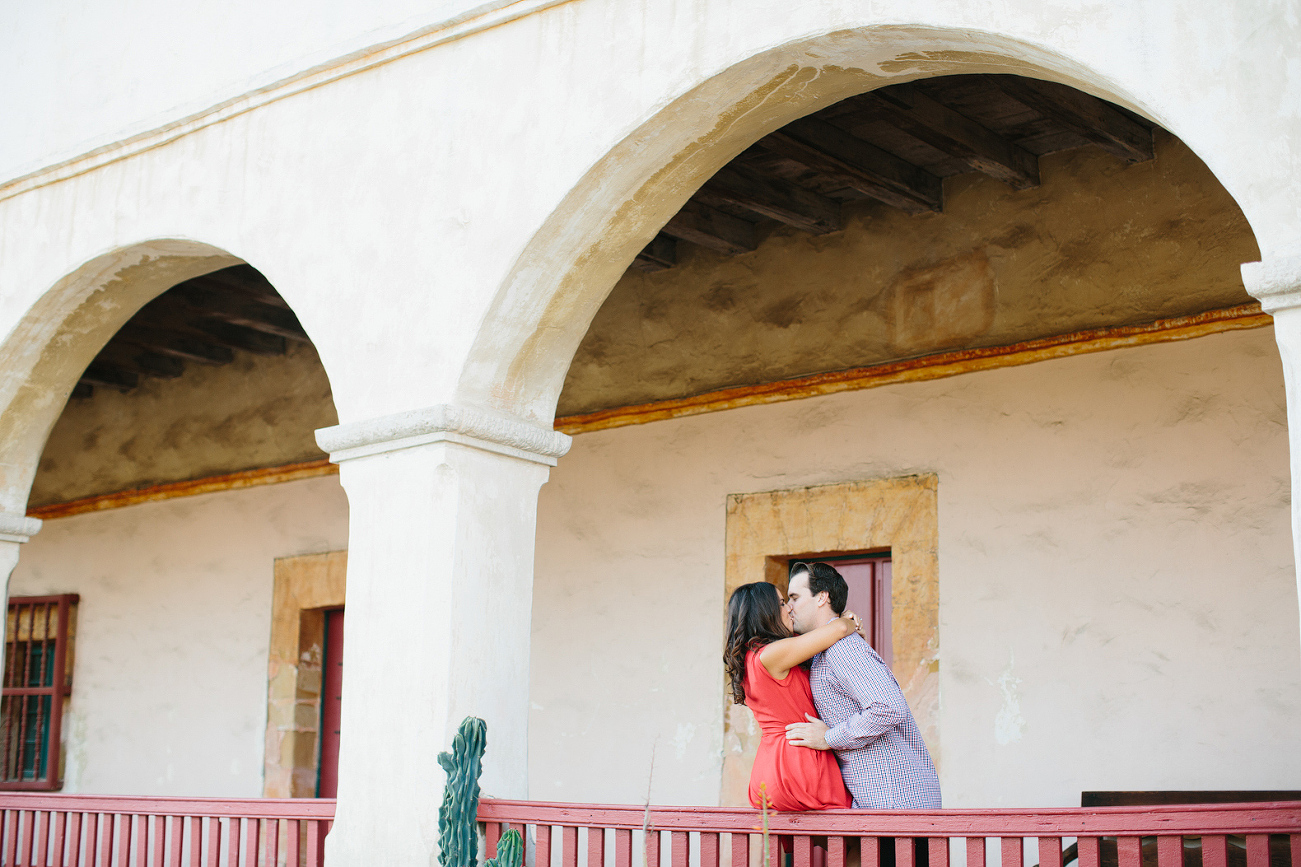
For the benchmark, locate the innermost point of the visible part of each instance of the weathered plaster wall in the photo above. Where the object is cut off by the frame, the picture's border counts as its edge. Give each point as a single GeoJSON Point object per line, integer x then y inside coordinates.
{"type": "Point", "coordinates": [1117, 601]}
{"type": "Point", "coordinates": [1099, 242]}
{"type": "Point", "coordinates": [258, 411]}
{"type": "Point", "coordinates": [169, 692]}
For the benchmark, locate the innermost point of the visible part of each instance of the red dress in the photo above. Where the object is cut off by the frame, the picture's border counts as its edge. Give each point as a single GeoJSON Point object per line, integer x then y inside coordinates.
{"type": "Point", "coordinates": [796, 778]}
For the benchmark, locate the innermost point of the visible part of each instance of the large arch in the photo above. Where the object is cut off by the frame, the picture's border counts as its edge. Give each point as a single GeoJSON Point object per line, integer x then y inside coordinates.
{"type": "Point", "coordinates": [541, 311]}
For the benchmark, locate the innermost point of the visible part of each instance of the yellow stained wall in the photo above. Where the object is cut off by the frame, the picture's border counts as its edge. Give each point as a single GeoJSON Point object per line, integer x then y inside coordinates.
{"type": "Point", "coordinates": [1099, 242]}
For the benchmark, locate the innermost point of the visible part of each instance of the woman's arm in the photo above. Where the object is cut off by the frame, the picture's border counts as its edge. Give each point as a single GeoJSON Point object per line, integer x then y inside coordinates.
{"type": "Point", "coordinates": [780, 657]}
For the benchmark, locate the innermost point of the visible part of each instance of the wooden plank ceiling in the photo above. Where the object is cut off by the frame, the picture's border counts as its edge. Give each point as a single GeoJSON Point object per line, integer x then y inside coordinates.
{"type": "Point", "coordinates": [894, 145]}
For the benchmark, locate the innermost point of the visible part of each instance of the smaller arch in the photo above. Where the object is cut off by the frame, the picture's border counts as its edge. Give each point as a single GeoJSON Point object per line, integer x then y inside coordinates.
{"type": "Point", "coordinates": [46, 353]}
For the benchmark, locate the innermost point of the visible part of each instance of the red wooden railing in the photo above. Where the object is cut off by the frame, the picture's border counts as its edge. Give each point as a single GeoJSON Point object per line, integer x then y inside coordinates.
{"type": "Point", "coordinates": [100, 831]}
{"type": "Point", "coordinates": [103, 831]}
{"type": "Point", "coordinates": [1224, 835]}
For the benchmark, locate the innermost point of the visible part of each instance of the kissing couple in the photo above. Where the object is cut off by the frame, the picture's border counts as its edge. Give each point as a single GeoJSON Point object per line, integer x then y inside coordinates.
{"type": "Point", "coordinates": [838, 734]}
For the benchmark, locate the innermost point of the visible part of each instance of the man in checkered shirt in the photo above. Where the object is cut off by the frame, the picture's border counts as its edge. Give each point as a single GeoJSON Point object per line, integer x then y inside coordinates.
{"type": "Point", "coordinates": [863, 715]}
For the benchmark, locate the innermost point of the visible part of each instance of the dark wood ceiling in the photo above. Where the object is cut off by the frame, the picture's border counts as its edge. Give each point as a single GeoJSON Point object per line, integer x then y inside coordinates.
{"type": "Point", "coordinates": [201, 321]}
{"type": "Point", "coordinates": [895, 145]}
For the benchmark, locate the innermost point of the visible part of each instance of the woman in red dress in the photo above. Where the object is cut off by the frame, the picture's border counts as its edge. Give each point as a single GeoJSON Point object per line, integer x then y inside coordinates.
{"type": "Point", "coordinates": [763, 662]}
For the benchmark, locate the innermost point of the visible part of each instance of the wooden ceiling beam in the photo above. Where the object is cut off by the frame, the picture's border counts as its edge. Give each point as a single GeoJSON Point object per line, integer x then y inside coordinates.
{"type": "Point", "coordinates": [229, 308]}
{"type": "Point", "coordinates": [103, 373]}
{"type": "Point", "coordinates": [139, 360]}
{"type": "Point", "coordinates": [176, 344]}
{"type": "Point", "coordinates": [774, 198]}
{"type": "Point", "coordinates": [661, 253]}
{"type": "Point", "coordinates": [700, 224]}
{"type": "Point", "coordinates": [860, 165]}
{"type": "Point", "coordinates": [1086, 116]}
{"type": "Point", "coordinates": [957, 135]}
{"type": "Point", "coordinates": [245, 280]}
{"type": "Point", "coordinates": [239, 337]}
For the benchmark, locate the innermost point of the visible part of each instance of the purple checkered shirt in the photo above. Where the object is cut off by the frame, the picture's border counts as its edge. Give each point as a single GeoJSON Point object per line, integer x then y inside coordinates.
{"type": "Point", "coordinates": [882, 755]}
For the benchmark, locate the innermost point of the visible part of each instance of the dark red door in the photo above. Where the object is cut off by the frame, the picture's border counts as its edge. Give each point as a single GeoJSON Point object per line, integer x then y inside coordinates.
{"type": "Point", "coordinates": [869, 598]}
{"type": "Point", "coordinates": [327, 785]}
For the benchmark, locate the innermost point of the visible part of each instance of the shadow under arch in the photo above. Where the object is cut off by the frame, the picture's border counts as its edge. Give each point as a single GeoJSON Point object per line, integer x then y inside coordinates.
{"type": "Point", "coordinates": [62, 332]}
{"type": "Point", "coordinates": [543, 308]}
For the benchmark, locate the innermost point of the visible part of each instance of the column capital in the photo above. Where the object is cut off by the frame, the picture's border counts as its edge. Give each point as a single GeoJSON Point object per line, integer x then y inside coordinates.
{"type": "Point", "coordinates": [18, 528]}
{"type": "Point", "coordinates": [494, 432]}
{"type": "Point", "coordinates": [1274, 282]}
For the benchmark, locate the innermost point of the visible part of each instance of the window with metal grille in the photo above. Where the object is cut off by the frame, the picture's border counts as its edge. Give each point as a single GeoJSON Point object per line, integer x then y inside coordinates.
{"type": "Point", "coordinates": [37, 683]}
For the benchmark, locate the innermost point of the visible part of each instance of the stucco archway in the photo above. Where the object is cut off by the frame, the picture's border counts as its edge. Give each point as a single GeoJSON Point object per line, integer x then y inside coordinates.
{"type": "Point", "coordinates": [541, 311]}
{"type": "Point", "coordinates": [60, 334]}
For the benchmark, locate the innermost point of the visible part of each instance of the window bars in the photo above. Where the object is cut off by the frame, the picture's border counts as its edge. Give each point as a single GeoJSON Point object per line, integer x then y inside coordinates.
{"type": "Point", "coordinates": [37, 682]}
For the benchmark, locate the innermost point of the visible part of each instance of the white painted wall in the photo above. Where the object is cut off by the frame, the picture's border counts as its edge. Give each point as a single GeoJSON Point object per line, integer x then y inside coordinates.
{"type": "Point", "coordinates": [1118, 607]}
{"type": "Point", "coordinates": [169, 688]}
{"type": "Point", "coordinates": [115, 69]}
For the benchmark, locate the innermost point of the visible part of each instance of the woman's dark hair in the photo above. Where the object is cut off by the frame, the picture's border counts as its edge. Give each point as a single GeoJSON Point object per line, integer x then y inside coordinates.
{"type": "Point", "coordinates": [754, 619]}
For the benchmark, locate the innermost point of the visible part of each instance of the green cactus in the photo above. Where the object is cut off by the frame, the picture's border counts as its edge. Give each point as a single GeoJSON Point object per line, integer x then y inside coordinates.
{"type": "Point", "coordinates": [510, 851]}
{"type": "Point", "coordinates": [458, 832]}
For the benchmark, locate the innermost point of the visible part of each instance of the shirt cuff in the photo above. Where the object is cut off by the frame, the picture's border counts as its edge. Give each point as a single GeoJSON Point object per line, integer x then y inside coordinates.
{"type": "Point", "coordinates": [837, 737]}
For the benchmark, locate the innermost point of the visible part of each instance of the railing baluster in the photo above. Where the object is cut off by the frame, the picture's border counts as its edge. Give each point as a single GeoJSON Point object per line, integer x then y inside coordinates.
{"type": "Point", "coordinates": [1257, 850]}
{"type": "Point", "coordinates": [1013, 852]}
{"type": "Point", "coordinates": [1214, 853]}
{"type": "Point", "coordinates": [542, 846]}
{"type": "Point", "coordinates": [273, 843]}
{"type": "Point", "coordinates": [252, 841]}
{"type": "Point", "coordinates": [159, 836]}
{"type": "Point", "coordinates": [836, 851]}
{"type": "Point", "coordinates": [196, 840]}
{"type": "Point", "coordinates": [938, 852]}
{"type": "Point", "coordinates": [74, 841]}
{"type": "Point", "coordinates": [680, 854]}
{"type": "Point", "coordinates": [176, 836]}
{"type": "Point", "coordinates": [1169, 851]}
{"type": "Point", "coordinates": [58, 831]}
{"type": "Point", "coordinates": [125, 836]}
{"type": "Point", "coordinates": [1296, 850]}
{"type": "Point", "coordinates": [803, 853]}
{"type": "Point", "coordinates": [595, 846]}
{"type": "Point", "coordinates": [623, 848]}
{"type": "Point", "coordinates": [905, 852]}
{"type": "Point", "coordinates": [569, 846]}
{"type": "Point", "coordinates": [774, 851]}
{"type": "Point", "coordinates": [652, 844]}
{"type": "Point", "coordinates": [1088, 851]}
{"type": "Point", "coordinates": [491, 834]}
{"type": "Point", "coordinates": [28, 823]}
{"type": "Point", "coordinates": [741, 850]}
{"type": "Point", "coordinates": [11, 836]}
{"type": "Point", "coordinates": [214, 841]}
{"type": "Point", "coordinates": [1129, 852]}
{"type": "Point", "coordinates": [293, 843]}
{"type": "Point", "coordinates": [315, 841]}
{"type": "Point", "coordinates": [871, 851]}
{"type": "Point", "coordinates": [708, 849]}
{"type": "Point", "coordinates": [104, 821]}
{"type": "Point", "coordinates": [232, 842]}
{"type": "Point", "coordinates": [1050, 852]}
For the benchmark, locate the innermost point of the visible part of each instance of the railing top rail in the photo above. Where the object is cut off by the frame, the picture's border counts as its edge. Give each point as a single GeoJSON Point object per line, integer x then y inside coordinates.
{"type": "Point", "coordinates": [259, 808]}
{"type": "Point", "coordinates": [1258, 818]}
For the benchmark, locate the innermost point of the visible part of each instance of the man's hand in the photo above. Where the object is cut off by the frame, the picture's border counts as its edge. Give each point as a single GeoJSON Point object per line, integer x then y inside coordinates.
{"type": "Point", "coordinates": [812, 734]}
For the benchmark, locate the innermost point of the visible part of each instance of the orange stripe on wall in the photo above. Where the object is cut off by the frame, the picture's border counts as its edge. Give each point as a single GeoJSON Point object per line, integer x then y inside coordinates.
{"type": "Point", "coordinates": [211, 484]}
{"type": "Point", "coordinates": [928, 367]}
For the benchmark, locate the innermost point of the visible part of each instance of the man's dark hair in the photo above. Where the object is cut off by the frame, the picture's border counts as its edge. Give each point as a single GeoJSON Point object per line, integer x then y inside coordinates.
{"type": "Point", "coordinates": [823, 578]}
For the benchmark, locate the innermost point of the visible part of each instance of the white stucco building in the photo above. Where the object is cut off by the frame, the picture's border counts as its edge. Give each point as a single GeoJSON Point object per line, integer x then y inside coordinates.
{"type": "Point", "coordinates": [600, 309]}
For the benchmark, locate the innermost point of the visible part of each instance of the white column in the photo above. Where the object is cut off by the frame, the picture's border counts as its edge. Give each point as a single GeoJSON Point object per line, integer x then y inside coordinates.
{"type": "Point", "coordinates": [1276, 283]}
{"type": "Point", "coordinates": [14, 531]}
{"type": "Point", "coordinates": [442, 519]}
